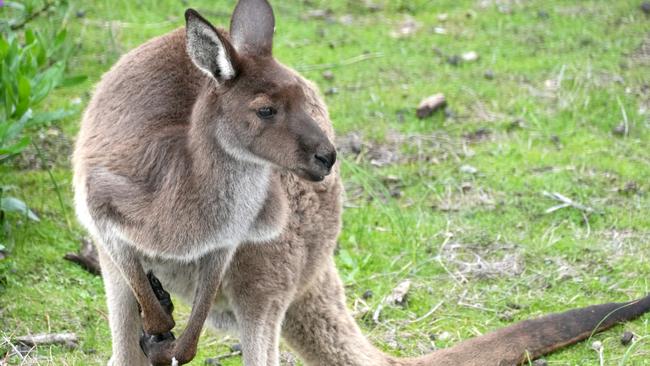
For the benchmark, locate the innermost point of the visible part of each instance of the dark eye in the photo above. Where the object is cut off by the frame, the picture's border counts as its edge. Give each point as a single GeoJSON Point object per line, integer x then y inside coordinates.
{"type": "Point", "coordinates": [266, 112]}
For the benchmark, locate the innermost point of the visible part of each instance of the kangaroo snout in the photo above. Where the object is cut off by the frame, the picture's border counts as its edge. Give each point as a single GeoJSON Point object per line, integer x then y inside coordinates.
{"type": "Point", "coordinates": [326, 159]}
{"type": "Point", "coordinates": [321, 162]}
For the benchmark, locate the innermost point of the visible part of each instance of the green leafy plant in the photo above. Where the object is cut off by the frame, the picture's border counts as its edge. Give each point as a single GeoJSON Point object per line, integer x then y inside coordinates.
{"type": "Point", "coordinates": [32, 64]}
{"type": "Point", "coordinates": [27, 75]}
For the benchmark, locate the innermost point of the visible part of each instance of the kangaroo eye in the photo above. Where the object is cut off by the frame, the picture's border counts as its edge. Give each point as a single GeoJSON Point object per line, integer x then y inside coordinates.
{"type": "Point", "coordinates": [266, 112]}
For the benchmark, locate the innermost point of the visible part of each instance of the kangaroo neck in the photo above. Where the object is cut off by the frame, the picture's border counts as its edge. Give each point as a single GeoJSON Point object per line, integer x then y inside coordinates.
{"type": "Point", "coordinates": [212, 162]}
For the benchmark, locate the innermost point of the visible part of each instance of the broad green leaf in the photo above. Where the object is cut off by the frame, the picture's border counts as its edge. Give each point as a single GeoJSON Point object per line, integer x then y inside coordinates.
{"type": "Point", "coordinates": [12, 204]}
{"type": "Point", "coordinates": [47, 81]}
{"type": "Point", "coordinates": [16, 148]}
{"type": "Point", "coordinates": [24, 91]}
{"type": "Point", "coordinates": [16, 128]}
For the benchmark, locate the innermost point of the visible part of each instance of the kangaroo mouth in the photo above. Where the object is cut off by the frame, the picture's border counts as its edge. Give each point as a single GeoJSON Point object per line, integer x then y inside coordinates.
{"type": "Point", "coordinates": [312, 175]}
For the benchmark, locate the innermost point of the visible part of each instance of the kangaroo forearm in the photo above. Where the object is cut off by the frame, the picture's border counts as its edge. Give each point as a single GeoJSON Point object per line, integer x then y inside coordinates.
{"type": "Point", "coordinates": [155, 319]}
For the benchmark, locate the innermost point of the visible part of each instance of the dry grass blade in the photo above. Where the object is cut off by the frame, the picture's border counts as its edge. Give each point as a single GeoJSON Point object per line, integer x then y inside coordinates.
{"type": "Point", "coordinates": [565, 202]}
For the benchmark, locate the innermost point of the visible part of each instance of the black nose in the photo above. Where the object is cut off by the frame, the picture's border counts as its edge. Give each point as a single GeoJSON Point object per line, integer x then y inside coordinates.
{"type": "Point", "coordinates": [326, 160]}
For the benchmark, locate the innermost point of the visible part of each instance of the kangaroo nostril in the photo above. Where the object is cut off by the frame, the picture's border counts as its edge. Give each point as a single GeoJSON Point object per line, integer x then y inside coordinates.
{"type": "Point", "coordinates": [325, 160]}
{"type": "Point", "coordinates": [332, 158]}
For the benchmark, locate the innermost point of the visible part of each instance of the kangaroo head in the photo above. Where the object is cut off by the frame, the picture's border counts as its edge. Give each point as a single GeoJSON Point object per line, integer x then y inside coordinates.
{"type": "Point", "coordinates": [255, 108]}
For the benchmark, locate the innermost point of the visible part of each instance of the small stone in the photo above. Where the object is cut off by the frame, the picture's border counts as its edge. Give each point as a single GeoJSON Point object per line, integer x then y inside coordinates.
{"type": "Point", "coordinates": [235, 347]}
{"type": "Point", "coordinates": [620, 130]}
{"type": "Point", "coordinates": [367, 294]}
{"type": "Point", "coordinates": [597, 346]}
{"type": "Point", "coordinates": [468, 169]}
{"type": "Point", "coordinates": [540, 362]}
{"type": "Point", "coordinates": [328, 75]}
{"type": "Point", "coordinates": [645, 7]}
{"type": "Point", "coordinates": [80, 13]}
{"type": "Point", "coordinates": [399, 294]}
{"type": "Point", "coordinates": [489, 75]}
{"type": "Point", "coordinates": [444, 336]}
{"type": "Point", "coordinates": [431, 104]}
{"type": "Point", "coordinates": [454, 60]}
{"type": "Point", "coordinates": [470, 56]}
{"type": "Point", "coordinates": [439, 30]}
{"type": "Point", "coordinates": [332, 91]}
{"type": "Point", "coordinates": [212, 362]}
{"type": "Point", "coordinates": [627, 338]}
{"type": "Point", "coordinates": [543, 14]}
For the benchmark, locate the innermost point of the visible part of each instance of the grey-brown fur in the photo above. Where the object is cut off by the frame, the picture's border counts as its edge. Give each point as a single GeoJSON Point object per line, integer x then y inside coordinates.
{"type": "Point", "coordinates": [167, 157]}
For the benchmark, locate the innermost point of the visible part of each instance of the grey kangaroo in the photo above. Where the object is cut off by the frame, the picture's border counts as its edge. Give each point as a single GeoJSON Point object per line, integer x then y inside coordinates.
{"type": "Point", "coordinates": [203, 160]}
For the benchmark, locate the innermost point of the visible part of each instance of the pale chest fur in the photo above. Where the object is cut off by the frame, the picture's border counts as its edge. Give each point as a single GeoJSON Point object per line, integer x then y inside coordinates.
{"type": "Point", "coordinates": [221, 215]}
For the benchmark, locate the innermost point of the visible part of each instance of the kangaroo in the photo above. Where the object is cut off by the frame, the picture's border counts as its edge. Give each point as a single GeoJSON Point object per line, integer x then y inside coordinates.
{"type": "Point", "coordinates": [204, 163]}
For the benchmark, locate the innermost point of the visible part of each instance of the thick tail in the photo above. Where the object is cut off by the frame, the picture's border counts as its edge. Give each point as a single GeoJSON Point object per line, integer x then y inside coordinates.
{"type": "Point", "coordinates": [320, 329]}
{"type": "Point", "coordinates": [533, 338]}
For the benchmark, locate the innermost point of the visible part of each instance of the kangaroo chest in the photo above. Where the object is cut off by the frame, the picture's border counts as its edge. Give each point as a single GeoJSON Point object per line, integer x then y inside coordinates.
{"type": "Point", "coordinates": [220, 215]}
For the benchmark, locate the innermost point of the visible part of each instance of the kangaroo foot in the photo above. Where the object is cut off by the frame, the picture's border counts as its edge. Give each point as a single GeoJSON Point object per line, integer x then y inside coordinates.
{"type": "Point", "coordinates": [159, 347]}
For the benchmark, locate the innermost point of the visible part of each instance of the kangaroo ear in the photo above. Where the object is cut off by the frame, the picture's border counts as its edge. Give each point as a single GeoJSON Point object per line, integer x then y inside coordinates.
{"type": "Point", "coordinates": [252, 26]}
{"type": "Point", "coordinates": [208, 48]}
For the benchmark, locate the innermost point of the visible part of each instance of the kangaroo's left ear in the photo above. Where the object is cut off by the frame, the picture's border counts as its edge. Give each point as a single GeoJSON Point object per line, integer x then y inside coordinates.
{"type": "Point", "coordinates": [252, 26]}
{"type": "Point", "coordinates": [208, 49]}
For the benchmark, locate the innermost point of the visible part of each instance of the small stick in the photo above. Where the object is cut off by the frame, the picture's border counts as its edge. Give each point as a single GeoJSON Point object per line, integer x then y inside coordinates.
{"type": "Point", "coordinates": [69, 339]}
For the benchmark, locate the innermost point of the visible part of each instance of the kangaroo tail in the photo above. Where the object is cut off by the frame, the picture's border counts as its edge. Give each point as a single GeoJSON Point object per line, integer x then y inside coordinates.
{"type": "Point", "coordinates": [533, 338]}
{"type": "Point", "coordinates": [319, 327]}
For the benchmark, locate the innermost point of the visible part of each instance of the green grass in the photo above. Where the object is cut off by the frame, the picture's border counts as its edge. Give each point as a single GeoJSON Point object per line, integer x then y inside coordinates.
{"type": "Point", "coordinates": [565, 144]}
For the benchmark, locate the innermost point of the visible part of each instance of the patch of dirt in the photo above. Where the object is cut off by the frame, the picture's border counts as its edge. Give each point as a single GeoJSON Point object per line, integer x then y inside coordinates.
{"type": "Point", "coordinates": [641, 56]}
{"type": "Point", "coordinates": [478, 135]}
{"type": "Point", "coordinates": [55, 149]}
{"type": "Point", "coordinates": [467, 261]}
{"type": "Point", "coordinates": [466, 197]}
{"type": "Point", "coordinates": [625, 243]}
{"type": "Point", "coordinates": [399, 148]}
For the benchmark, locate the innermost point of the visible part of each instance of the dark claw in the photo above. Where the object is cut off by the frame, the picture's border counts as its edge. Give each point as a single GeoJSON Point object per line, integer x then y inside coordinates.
{"type": "Point", "coordinates": [162, 295]}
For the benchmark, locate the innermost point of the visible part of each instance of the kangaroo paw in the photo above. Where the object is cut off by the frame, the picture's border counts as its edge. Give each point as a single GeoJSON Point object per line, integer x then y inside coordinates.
{"type": "Point", "coordinates": [158, 348]}
{"type": "Point", "coordinates": [162, 295]}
